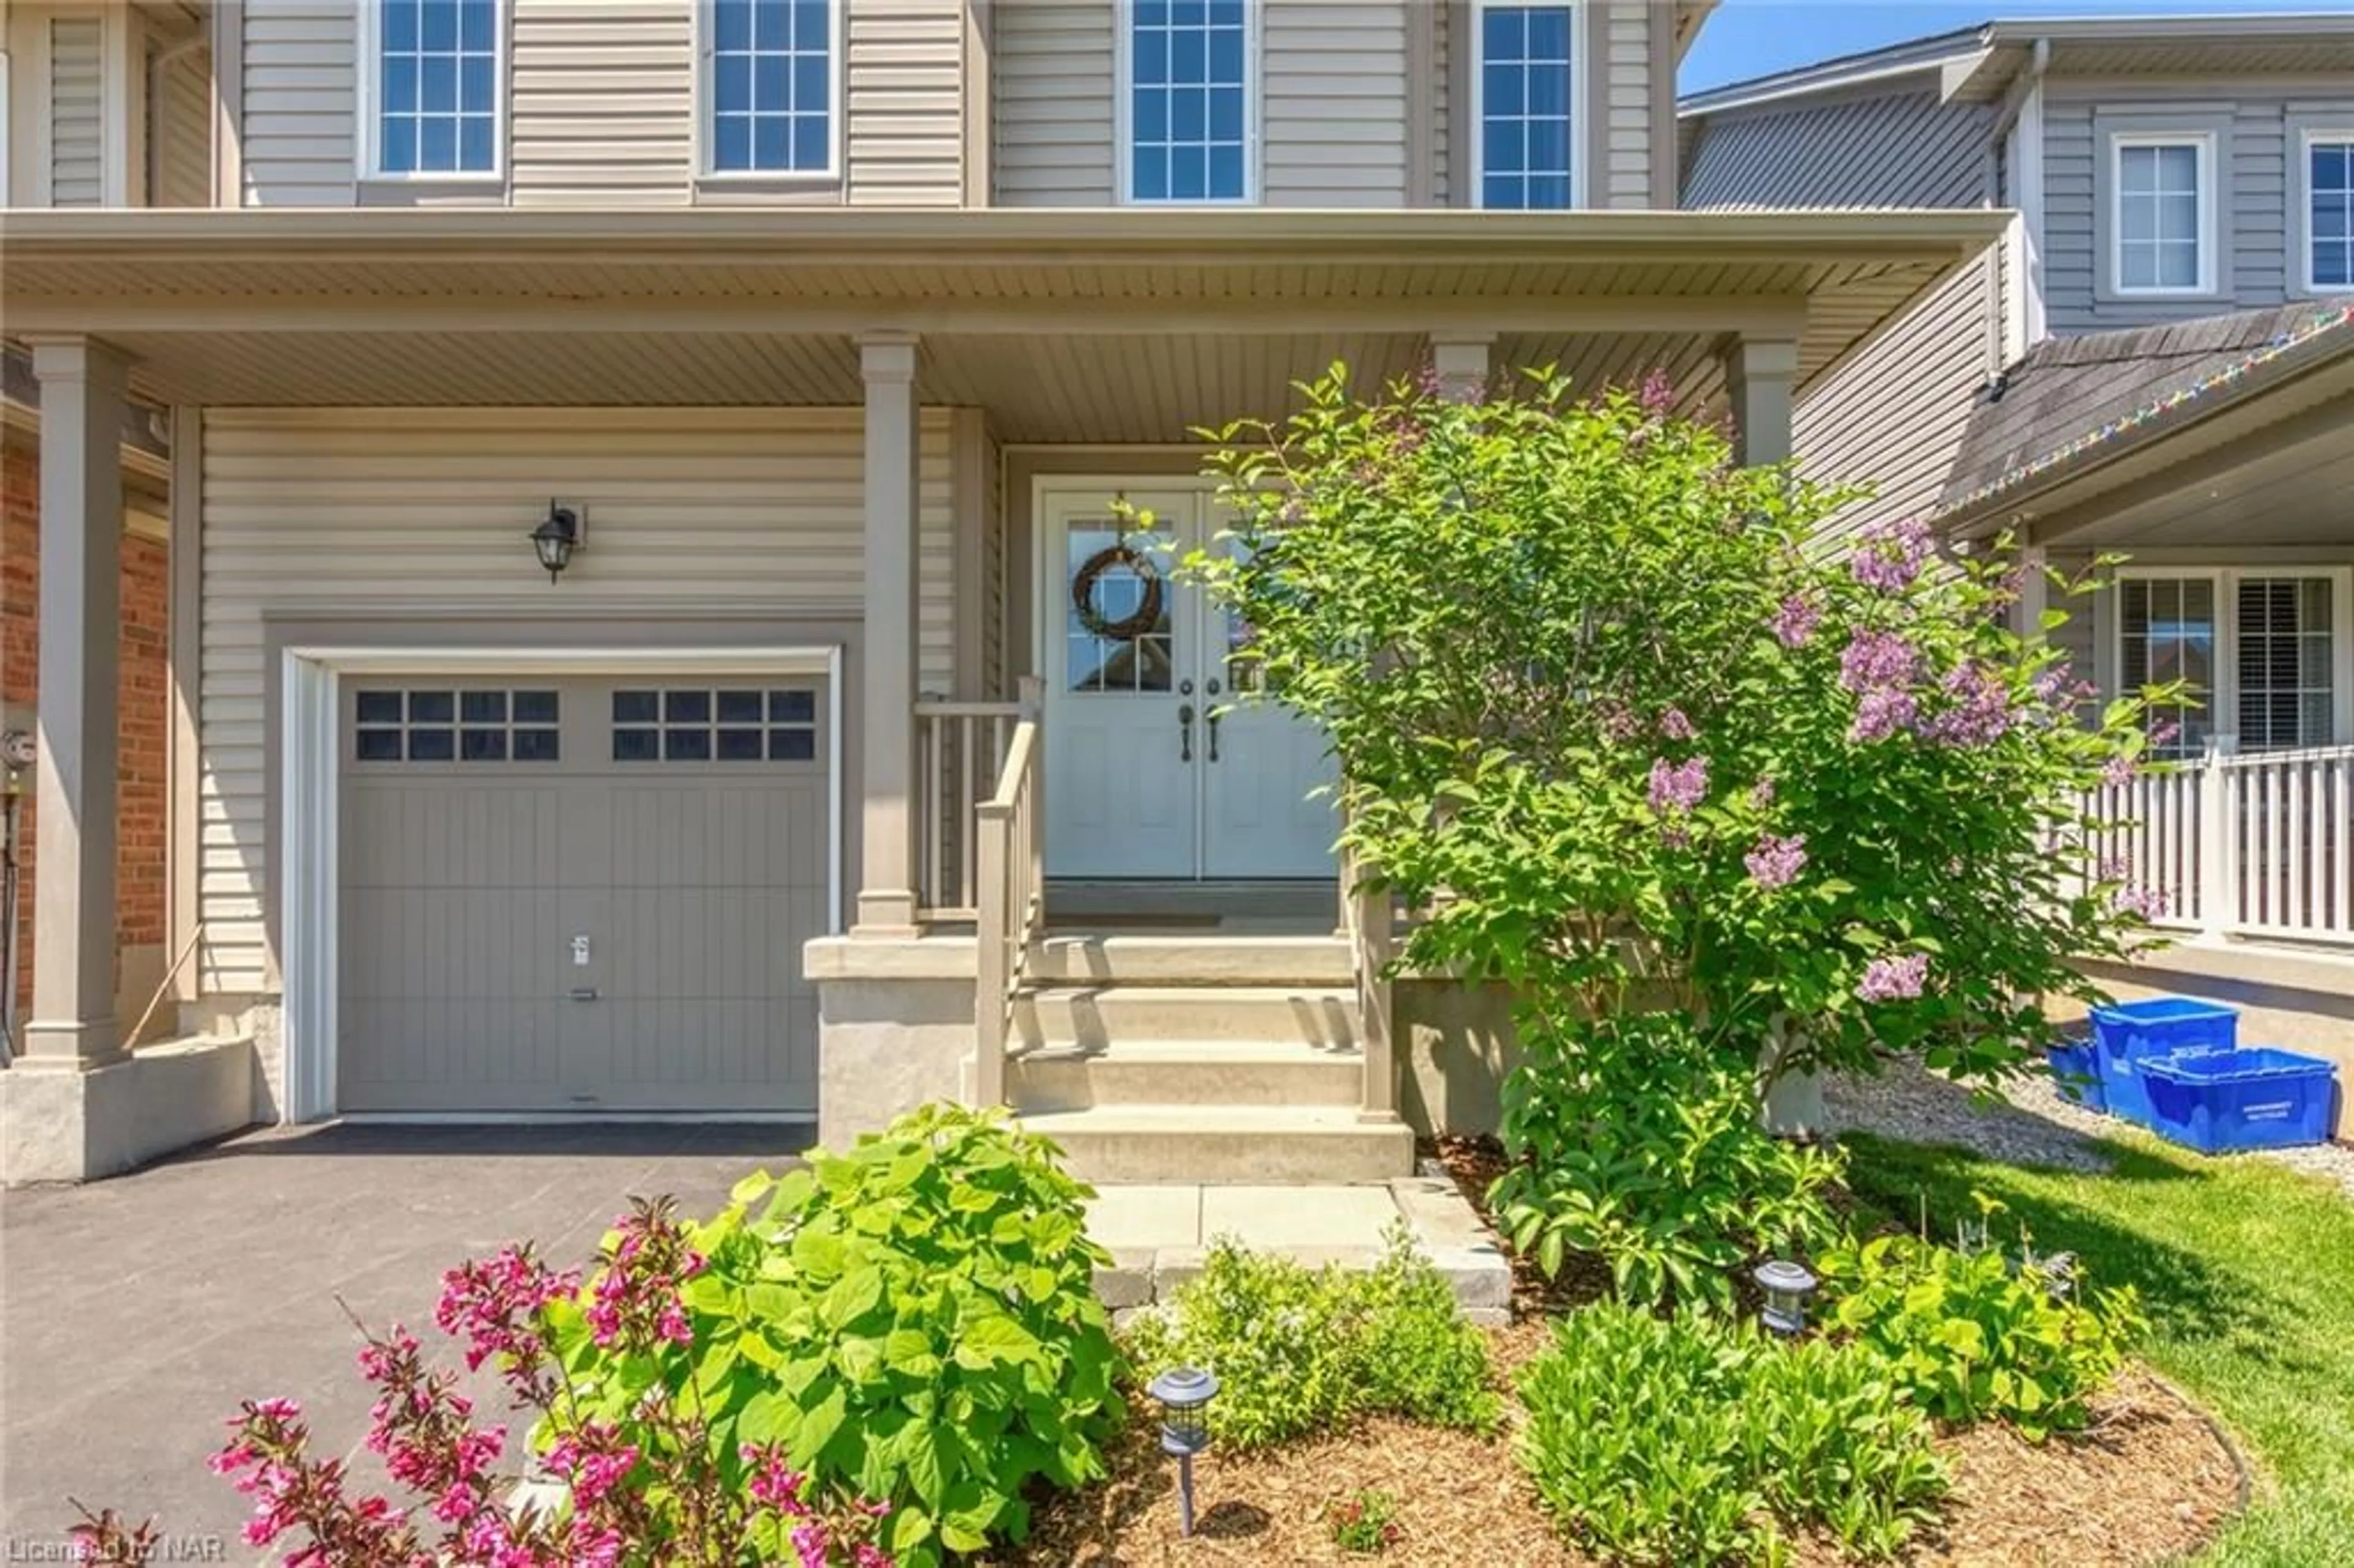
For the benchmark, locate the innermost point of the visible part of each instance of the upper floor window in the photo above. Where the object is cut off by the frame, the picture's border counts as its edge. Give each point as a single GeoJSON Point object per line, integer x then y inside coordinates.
{"type": "Point", "coordinates": [1189, 92]}
{"type": "Point", "coordinates": [438, 79]}
{"type": "Point", "coordinates": [1522, 102]}
{"type": "Point", "coordinates": [769, 87]}
{"type": "Point", "coordinates": [2163, 220]}
{"type": "Point", "coordinates": [2329, 211]}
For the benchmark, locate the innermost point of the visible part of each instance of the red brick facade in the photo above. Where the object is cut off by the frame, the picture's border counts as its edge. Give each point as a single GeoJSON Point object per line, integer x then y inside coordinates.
{"type": "Point", "coordinates": [144, 777]}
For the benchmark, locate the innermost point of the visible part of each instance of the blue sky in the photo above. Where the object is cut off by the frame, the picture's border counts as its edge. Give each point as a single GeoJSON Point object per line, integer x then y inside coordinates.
{"type": "Point", "coordinates": [1758, 38]}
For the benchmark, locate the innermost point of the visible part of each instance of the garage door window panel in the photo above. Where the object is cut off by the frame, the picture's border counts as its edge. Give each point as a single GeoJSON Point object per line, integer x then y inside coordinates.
{"type": "Point", "coordinates": [715, 725]}
{"type": "Point", "coordinates": [444, 725]}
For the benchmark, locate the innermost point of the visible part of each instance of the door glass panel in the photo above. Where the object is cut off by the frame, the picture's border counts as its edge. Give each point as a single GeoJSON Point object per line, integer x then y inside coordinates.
{"type": "Point", "coordinates": [1117, 606]}
{"type": "Point", "coordinates": [2169, 634]}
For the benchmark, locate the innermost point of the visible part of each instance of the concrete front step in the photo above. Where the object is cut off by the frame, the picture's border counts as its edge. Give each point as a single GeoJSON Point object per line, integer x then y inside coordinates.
{"type": "Point", "coordinates": [1099, 1016]}
{"type": "Point", "coordinates": [1192, 959]}
{"type": "Point", "coordinates": [1185, 1072]}
{"type": "Point", "coordinates": [1226, 1145]}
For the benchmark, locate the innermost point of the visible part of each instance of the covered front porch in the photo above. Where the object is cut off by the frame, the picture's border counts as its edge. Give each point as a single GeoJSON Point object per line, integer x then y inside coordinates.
{"type": "Point", "coordinates": [879, 449]}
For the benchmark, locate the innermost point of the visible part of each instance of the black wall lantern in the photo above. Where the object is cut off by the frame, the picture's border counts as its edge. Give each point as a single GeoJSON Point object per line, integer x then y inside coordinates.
{"type": "Point", "coordinates": [565, 530]}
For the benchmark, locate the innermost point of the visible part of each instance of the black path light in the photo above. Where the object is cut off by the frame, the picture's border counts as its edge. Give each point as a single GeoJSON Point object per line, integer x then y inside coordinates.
{"type": "Point", "coordinates": [1789, 1287]}
{"type": "Point", "coordinates": [1184, 1394]}
{"type": "Point", "coordinates": [565, 531]}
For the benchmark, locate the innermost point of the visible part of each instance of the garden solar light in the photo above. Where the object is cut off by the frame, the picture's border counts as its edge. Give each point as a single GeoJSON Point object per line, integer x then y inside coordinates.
{"type": "Point", "coordinates": [1184, 1394]}
{"type": "Point", "coordinates": [1788, 1287]}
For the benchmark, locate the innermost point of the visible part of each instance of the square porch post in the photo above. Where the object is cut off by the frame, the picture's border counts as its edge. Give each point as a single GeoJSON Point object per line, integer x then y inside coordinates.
{"type": "Point", "coordinates": [73, 1027]}
{"type": "Point", "coordinates": [886, 893]}
{"type": "Point", "coordinates": [1760, 376]}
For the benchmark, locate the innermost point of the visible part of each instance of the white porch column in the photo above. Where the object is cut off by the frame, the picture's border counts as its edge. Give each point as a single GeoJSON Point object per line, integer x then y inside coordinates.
{"type": "Point", "coordinates": [886, 893]}
{"type": "Point", "coordinates": [73, 1025]}
{"type": "Point", "coordinates": [1459, 363]}
{"type": "Point", "coordinates": [1760, 375]}
{"type": "Point", "coordinates": [2034, 592]}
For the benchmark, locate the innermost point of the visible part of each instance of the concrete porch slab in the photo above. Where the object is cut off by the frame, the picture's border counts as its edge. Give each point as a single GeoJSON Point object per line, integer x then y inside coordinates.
{"type": "Point", "coordinates": [1159, 1236]}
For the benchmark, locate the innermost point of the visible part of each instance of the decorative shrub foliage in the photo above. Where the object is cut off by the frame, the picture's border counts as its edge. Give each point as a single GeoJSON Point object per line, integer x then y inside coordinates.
{"type": "Point", "coordinates": [1680, 1441]}
{"type": "Point", "coordinates": [1299, 1351]}
{"type": "Point", "coordinates": [1640, 1145]}
{"type": "Point", "coordinates": [1365, 1523]}
{"type": "Point", "coordinates": [1971, 1338]}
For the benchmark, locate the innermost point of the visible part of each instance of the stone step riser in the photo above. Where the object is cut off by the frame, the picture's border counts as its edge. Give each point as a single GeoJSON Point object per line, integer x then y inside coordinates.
{"type": "Point", "coordinates": [1204, 962]}
{"type": "Point", "coordinates": [1075, 1082]}
{"type": "Point", "coordinates": [1098, 1018]}
{"type": "Point", "coordinates": [1213, 1157]}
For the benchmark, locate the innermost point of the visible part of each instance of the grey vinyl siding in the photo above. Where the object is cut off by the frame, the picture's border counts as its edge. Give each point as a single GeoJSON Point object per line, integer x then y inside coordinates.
{"type": "Point", "coordinates": [602, 103]}
{"type": "Point", "coordinates": [1889, 150]}
{"type": "Point", "coordinates": [78, 111]}
{"type": "Point", "coordinates": [300, 105]}
{"type": "Point", "coordinates": [2254, 266]}
{"type": "Point", "coordinates": [180, 133]}
{"type": "Point", "coordinates": [2081, 636]}
{"type": "Point", "coordinates": [1052, 64]}
{"type": "Point", "coordinates": [422, 512]}
{"type": "Point", "coordinates": [1333, 89]}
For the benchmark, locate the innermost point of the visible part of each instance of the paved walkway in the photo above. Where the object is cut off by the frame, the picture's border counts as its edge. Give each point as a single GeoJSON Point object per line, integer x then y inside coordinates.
{"type": "Point", "coordinates": [134, 1313]}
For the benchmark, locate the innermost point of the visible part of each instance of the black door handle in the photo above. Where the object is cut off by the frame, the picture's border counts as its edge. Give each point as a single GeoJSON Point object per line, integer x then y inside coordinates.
{"type": "Point", "coordinates": [1213, 716]}
{"type": "Point", "coordinates": [1185, 733]}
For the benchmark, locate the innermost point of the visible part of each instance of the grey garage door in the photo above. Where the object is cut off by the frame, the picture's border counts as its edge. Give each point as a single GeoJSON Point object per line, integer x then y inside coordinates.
{"type": "Point", "coordinates": [580, 895]}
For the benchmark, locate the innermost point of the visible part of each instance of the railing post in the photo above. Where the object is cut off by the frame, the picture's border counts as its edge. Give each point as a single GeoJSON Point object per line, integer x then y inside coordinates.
{"type": "Point", "coordinates": [2219, 844]}
{"type": "Point", "coordinates": [990, 962]}
{"type": "Point", "coordinates": [1031, 692]}
{"type": "Point", "coordinates": [1371, 919]}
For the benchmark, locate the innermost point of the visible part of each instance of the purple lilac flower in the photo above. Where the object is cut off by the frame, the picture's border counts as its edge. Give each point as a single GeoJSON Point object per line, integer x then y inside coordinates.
{"type": "Point", "coordinates": [1897, 977]}
{"type": "Point", "coordinates": [1882, 713]}
{"type": "Point", "coordinates": [1981, 711]}
{"type": "Point", "coordinates": [1760, 794]}
{"type": "Point", "coordinates": [1659, 394]}
{"type": "Point", "coordinates": [1890, 556]}
{"type": "Point", "coordinates": [1675, 727]}
{"type": "Point", "coordinates": [1794, 624]}
{"type": "Point", "coordinates": [1878, 659]}
{"type": "Point", "coordinates": [1776, 862]}
{"type": "Point", "coordinates": [1614, 721]}
{"type": "Point", "coordinates": [1678, 786]}
{"type": "Point", "coordinates": [2147, 903]}
{"type": "Point", "coordinates": [2120, 770]}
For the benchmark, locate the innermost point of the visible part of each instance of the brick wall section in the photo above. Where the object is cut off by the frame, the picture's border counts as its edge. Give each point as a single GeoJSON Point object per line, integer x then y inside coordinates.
{"type": "Point", "coordinates": [143, 777]}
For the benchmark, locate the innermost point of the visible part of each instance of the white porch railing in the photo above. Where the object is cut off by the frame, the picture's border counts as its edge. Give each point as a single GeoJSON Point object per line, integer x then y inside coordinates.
{"type": "Point", "coordinates": [1011, 887]}
{"type": "Point", "coordinates": [961, 751]}
{"type": "Point", "coordinates": [2256, 845]}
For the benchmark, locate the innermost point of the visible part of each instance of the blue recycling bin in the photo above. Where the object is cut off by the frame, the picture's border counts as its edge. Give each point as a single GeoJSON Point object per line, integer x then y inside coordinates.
{"type": "Point", "coordinates": [2128, 1033]}
{"type": "Point", "coordinates": [2222, 1102]}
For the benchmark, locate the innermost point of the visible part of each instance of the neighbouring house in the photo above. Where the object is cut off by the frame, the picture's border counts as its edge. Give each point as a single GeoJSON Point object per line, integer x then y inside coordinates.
{"type": "Point", "coordinates": [2158, 361]}
{"type": "Point", "coordinates": [658, 636]}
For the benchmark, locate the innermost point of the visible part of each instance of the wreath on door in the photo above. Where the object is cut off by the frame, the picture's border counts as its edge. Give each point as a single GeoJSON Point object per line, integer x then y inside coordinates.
{"type": "Point", "coordinates": [1126, 627]}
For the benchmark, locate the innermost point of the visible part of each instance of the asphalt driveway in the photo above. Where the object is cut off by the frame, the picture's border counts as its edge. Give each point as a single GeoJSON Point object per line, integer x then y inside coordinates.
{"type": "Point", "coordinates": [135, 1313]}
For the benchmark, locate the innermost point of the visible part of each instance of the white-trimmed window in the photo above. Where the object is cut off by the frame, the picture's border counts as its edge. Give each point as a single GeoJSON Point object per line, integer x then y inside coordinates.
{"type": "Point", "coordinates": [2329, 211]}
{"type": "Point", "coordinates": [2162, 225]}
{"type": "Point", "coordinates": [436, 88]}
{"type": "Point", "coordinates": [1524, 106]}
{"type": "Point", "coordinates": [2268, 653]}
{"type": "Point", "coordinates": [1189, 85]}
{"type": "Point", "coordinates": [770, 69]}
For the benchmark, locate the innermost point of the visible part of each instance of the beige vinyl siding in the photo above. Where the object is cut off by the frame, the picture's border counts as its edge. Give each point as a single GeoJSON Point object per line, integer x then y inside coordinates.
{"type": "Point", "coordinates": [1619, 151]}
{"type": "Point", "coordinates": [324, 512]}
{"type": "Point", "coordinates": [1443, 46]}
{"type": "Point", "coordinates": [904, 111]}
{"type": "Point", "coordinates": [602, 103]}
{"type": "Point", "coordinates": [180, 133]}
{"type": "Point", "coordinates": [996, 561]}
{"type": "Point", "coordinates": [78, 111]}
{"type": "Point", "coordinates": [300, 112]}
{"type": "Point", "coordinates": [1333, 88]}
{"type": "Point", "coordinates": [1052, 64]}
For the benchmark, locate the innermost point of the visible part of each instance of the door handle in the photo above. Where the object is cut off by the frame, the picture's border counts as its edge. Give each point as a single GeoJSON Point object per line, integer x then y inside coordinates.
{"type": "Point", "coordinates": [1185, 733]}
{"type": "Point", "coordinates": [584, 993]}
{"type": "Point", "coordinates": [1213, 718]}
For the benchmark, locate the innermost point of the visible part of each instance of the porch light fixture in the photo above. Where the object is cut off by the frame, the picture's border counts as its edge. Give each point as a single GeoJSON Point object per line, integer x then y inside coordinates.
{"type": "Point", "coordinates": [565, 530]}
{"type": "Point", "coordinates": [1184, 1394]}
{"type": "Point", "coordinates": [1789, 1287]}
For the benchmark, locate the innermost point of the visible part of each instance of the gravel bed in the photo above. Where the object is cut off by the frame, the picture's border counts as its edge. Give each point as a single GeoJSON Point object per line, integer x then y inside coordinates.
{"type": "Point", "coordinates": [2030, 1124]}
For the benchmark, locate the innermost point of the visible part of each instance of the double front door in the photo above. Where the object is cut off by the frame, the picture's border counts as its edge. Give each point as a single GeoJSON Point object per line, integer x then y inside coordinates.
{"type": "Point", "coordinates": [1160, 761]}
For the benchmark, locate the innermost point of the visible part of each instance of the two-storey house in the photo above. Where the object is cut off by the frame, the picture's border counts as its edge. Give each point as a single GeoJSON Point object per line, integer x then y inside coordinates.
{"type": "Point", "coordinates": [2158, 361]}
{"type": "Point", "coordinates": [650, 631]}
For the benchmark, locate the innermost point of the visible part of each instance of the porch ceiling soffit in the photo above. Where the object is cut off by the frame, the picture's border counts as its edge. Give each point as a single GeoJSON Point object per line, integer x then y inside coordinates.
{"type": "Point", "coordinates": [372, 306]}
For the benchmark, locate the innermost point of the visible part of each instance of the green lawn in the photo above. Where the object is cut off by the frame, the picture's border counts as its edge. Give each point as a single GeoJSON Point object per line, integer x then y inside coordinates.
{"type": "Point", "coordinates": [2247, 1273]}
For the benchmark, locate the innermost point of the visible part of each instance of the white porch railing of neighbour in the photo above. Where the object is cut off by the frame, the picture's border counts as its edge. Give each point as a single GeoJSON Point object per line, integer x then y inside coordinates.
{"type": "Point", "coordinates": [960, 750]}
{"type": "Point", "coordinates": [1369, 921]}
{"type": "Point", "coordinates": [2258, 845]}
{"type": "Point", "coordinates": [1011, 887]}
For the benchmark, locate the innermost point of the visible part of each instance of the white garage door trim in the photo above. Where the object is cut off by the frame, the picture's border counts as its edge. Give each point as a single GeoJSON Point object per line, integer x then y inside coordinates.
{"type": "Point", "coordinates": [310, 770]}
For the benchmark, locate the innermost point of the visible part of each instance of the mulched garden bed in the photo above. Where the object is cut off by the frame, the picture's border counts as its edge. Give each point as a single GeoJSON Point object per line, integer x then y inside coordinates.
{"type": "Point", "coordinates": [2147, 1484]}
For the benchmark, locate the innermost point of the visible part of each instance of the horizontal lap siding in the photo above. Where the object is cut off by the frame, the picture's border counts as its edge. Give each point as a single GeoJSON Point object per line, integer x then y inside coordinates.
{"type": "Point", "coordinates": [603, 103]}
{"type": "Point", "coordinates": [78, 111]}
{"type": "Point", "coordinates": [1333, 83]}
{"type": "Point", "coordinates": [1622, 162]}
{"type": "Point", "coordinates": [905, 97]}
{"type": "Point", "coordinates": [316, 513]}
{"type": "Point", "coordinates": [1052, 65]}
{"type": "Point", "coordinates": [299, 77]}
{"type": "Point", "coordinates": [180, 133]}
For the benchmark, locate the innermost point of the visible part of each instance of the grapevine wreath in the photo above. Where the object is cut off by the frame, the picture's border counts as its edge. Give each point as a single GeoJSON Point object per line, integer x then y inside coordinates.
{"type": "Point", "coordinates": [1127, 627]}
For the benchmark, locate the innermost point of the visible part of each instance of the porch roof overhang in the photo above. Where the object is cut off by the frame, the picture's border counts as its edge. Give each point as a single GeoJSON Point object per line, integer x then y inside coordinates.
{"type": "Point", "coordinates": [1017, 308]}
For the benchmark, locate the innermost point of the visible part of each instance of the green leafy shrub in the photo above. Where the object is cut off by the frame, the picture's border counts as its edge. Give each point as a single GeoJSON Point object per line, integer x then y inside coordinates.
{"type": "Point", "coordinates": [1685, 1441]}
{"type": "Point", "coordinates": [1299, 1351]}
{"type": "Point", "coordinates": [1971, 1339]}
{"type": "Point", "coordinates": [913, 1320]}
{"type": "Point", "coordinates": [1641, 1146]}
{"type": "Point", "coordinates": [1364, 1524]}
